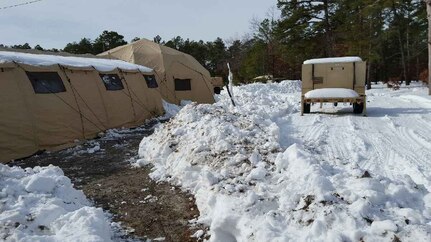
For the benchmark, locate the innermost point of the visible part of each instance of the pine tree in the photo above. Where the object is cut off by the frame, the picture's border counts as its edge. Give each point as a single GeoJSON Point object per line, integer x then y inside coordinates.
{"type": "Point", "coordinates": [217, 55]}
{"type": "Point", "coordinates": [85, 46]}
{"type": "Point", "coordinates": [38, 47]}
{"type": "Point", "coordinates": [107, 40]}
{"type": "Point", "coordinates": [157, 39]}
{"type": "Point", "coordinates": [25, 46]}
{"type": "Point", "coordinates": [428, 4]}
{"type": "Point", "coordinates": [311, 17]}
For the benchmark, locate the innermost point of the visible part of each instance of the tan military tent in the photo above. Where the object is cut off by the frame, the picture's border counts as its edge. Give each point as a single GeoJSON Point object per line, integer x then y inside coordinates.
{"type": "Point", "coordinates": [181, 76]}
{"type": "Point", "coordinates": [48, 102]}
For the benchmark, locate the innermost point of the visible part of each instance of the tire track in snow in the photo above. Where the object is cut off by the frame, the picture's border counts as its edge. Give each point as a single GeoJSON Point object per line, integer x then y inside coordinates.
{"type": "Point", "coordinates": [331, 139]}
{"type": "Point", "coordinates": [397, 144]}
{"type": "Point", "coordinates": [416, 146]}
{"type": "Point", "coordinates": [312, 133]}
{"type": "Point", "coordinates": [393, 141]}
{"type": "Point", "coordinates": [420, 101]}
{"type": "Point", "coordinates": [344, 146]}
{"type": "Point", "coordinates": [414, 138]}
{"type": "Point", "coordinates": [375, 144]}
{"type": "Point", "coordinates": [382, 158]}
{"type": "Point", "coordinates": [424, 124]}
{"type": "Point", "coordinates": [393, 151]}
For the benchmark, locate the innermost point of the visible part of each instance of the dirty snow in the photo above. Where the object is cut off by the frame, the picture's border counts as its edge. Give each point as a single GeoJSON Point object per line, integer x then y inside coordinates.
{"type": "Point", "coordinates": [99, 64]}
{"type": "Point", "coordinates": [40, 204]}
{"type": "Point", "coordinates": [262, 172]}
{"type": "Point", "coordinates": [333, 60]}
{"type": "Point", "coordinates": [331, 93]}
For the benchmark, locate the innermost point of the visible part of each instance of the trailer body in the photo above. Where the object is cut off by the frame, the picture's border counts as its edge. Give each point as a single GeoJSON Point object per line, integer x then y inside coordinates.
{"type": "Point", "coordinates": [342, 73]}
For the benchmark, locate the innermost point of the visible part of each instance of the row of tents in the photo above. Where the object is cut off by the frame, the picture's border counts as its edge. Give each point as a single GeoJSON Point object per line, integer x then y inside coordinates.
{"type": "Point", "coordinates": [49, 102]}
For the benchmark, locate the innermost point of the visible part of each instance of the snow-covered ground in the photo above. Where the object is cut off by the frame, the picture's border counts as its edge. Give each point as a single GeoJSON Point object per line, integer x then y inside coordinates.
{"type": "Point", "coordinates": [262, 172]}
{"type": "Point", "coordinates": [40, 204]}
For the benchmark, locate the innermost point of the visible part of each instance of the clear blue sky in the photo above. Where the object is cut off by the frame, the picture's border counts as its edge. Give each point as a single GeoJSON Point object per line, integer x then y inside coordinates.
{"type": "Point", "coordinates": [54, 23]}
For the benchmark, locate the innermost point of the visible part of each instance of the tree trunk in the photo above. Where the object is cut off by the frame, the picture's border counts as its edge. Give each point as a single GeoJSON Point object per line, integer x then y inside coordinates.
{"type": "Point", "coordinates": [428, 3]}
{"type": "Point", "coordinates": [369, 54]}
{"type": "Point", "coordinates": [328, 31]}
{"type": "Point", "coordinates": [417, 69]}
{"type": "Point", "coordinates": [403, 58]}
{"type": "Point", "coordinates": [369, 76]}
{"type": "Point", "coordinates": [409, 76]}
{"type": "Point", "coordinates": [400, 41]}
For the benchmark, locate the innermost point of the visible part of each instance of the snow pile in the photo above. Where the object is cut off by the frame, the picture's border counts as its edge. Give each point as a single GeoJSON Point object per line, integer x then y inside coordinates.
{"type": "Point", "coordinates": [172, 109]}
{"type": "Point", "coordinates": [331, 93]}
{"type": "Point", "coordinates": [41, 204]}
{"type": "Point", "coordinates": [333, 60]}
{"type": "Point", "coordinates": [263, 97]}
{"type": "Point", "coordinates": [99, 64]}
{"type": "Point", "coordinates": [254, 181]}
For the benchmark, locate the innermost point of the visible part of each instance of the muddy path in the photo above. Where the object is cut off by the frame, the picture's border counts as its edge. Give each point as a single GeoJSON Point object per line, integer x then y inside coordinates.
{"type": "Point", "coordinates": [101, 168]}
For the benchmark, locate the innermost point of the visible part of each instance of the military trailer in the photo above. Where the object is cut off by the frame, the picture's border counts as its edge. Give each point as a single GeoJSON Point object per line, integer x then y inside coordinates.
{"type": "Point", "coordinates": [217, 83]}
{"type": "Point", "coordinates": [334, 80]}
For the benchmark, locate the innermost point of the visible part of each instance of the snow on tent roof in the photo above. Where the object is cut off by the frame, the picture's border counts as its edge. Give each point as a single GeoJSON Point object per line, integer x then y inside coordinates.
{"type": "Point", "coordinates": [333, 60]}
{"type": "Point", "coordinates": [331, 93]}
{"type": "Point", "coordinates": [102, 65]}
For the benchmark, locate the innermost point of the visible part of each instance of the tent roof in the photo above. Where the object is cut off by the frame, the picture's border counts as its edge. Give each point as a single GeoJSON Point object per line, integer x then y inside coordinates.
{"type": "Point", "coordinates": [147, 49]}
{"type": "Point", "coordinates": [147, 44]}
{"type": "Point", "coordinates": [103, 65]}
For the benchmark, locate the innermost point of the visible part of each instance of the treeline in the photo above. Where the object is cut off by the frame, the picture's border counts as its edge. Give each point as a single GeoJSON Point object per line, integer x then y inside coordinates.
{"type": "Point", "coordinates": [106, 41]}
{"type": "Point", "coordinates": [27, 46]}
{"type": "Point", "coordinates": [391, 35]}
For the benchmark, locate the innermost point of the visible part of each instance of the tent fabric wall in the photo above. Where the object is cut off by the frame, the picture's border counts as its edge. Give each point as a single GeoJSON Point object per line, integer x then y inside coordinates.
{"type": "Point", "coordinates": [118, 104]}
{"type": "Point", "coordinates": [168, 64]}
{"type": "Point", "coordinates": [179, 71]}
{"type": "Point", "coordinates": [56, 116]}
{"type": "Point", "coordinates": [31, 121]}
{"type": "Point", "coordinates": [89, 99]}
{"type": "Point", "coordinates": [16, 123]}
{"type": "Point", "coordinates": [146, 101]}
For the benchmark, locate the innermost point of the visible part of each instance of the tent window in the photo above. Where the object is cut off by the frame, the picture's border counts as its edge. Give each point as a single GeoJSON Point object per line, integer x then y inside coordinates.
{"type": "Point", "coordinates": [151, 81]}
{"type": "Point", "coordinates": [46, 82]}
{"type": "Point", "coordinates": [182, 85]}
{"type": "Point", "coordinates": [112, 82]}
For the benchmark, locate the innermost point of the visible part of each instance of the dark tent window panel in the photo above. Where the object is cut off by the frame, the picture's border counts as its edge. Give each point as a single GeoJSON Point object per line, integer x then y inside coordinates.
{"type": "Point", "coordinates": [46, 82]}
{"type": "Point", "coordinates": [112, 82]}
{"type": "Point", "coordinates": [183, 85]}
{"type": "Point", "coordinates": [151, 81]}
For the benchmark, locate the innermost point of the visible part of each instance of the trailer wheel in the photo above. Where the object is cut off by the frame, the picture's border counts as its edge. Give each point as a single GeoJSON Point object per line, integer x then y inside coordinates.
{"type": "Point", "coordinates": [358, 108]}
{"type": "Point", "coordinates": [307, 107]}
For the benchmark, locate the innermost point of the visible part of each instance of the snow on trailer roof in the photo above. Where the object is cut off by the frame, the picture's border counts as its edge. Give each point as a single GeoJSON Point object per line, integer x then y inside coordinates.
{"type": "Point", "coordinates": [99, 64]}
{"type": "Point", "coordinates": [331, 93]}
{"type": "Point", "coordinates": [333, 60]}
